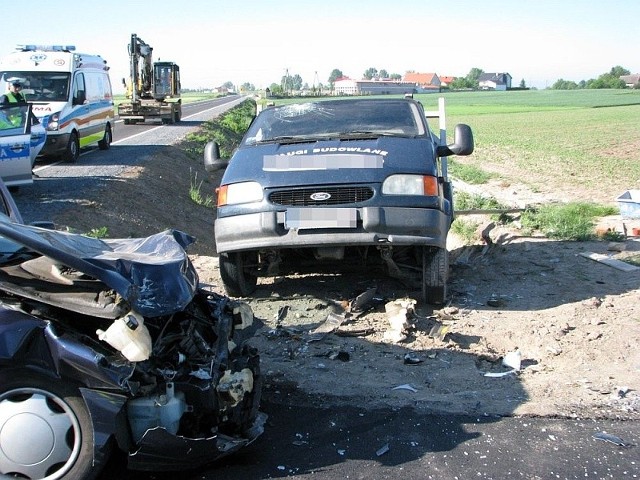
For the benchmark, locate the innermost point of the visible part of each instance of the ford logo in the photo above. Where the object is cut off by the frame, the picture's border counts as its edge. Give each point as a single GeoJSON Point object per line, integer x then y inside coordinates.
{"type": "Point", "coordinates": [320, 196]}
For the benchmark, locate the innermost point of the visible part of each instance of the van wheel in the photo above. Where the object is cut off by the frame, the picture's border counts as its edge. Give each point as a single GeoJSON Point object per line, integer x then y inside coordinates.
{"type": "Point", "coordinates": [105, 143]}
{"type": "Point", "coordinates": [235, 271]}
{"type": "Point", "coordinates": [72, 151]}
{"type": "Point", "coordinates": [45, 429]}
{"type": "Point", "coordinates": [435, 270]}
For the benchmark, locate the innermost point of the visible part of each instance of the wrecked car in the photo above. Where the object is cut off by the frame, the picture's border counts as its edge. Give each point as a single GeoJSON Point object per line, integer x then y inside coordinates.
{"type": "Point", "coordinates": [360, 180]}
{"type": "Point", "coordinates": [113, 343]}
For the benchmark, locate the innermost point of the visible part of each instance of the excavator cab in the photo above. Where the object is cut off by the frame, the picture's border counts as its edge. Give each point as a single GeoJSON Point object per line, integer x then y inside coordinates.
{"type": "Point", "coordinates": [166, 82]}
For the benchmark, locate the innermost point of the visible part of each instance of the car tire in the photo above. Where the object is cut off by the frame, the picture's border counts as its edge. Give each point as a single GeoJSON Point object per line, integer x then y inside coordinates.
{"type": "Point", "coordinates": [435, 271]}
{"type": "Point", "coordinates": [45, 429]}
{"type": "Point", "coordinates": [235, 273]}
{"type": "Point", "coordinates": [72, 152]}
{"type": "Point", "coordinates": [105, 143]}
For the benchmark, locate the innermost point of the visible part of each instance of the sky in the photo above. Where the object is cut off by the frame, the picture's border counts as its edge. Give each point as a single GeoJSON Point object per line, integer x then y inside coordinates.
{"type": "Point", "coordinates": [260, 41]}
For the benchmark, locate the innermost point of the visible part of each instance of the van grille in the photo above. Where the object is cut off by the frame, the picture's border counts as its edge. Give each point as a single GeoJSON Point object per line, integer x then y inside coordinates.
{"type": "Point", "coordinates": [337, 196]}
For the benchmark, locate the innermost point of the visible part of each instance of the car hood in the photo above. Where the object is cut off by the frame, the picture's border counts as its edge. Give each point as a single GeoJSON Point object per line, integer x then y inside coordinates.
{"type": "Point", "coordinates": [153, 274]}
{"type": "Point", "coordinates": [330, 161]}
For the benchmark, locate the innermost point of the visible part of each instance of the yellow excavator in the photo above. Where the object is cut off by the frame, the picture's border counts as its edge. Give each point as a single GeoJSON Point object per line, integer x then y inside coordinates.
{"type": "Point", "coordinates": [153, 88]}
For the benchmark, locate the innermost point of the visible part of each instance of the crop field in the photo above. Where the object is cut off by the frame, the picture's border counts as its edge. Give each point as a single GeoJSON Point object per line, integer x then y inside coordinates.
{"type": "Point", "coordinates": [578, 141]}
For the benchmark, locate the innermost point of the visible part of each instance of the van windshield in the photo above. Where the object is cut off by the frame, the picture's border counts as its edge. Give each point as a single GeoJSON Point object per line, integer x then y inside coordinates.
{"type": "Point", "coordinates": [40, 86]}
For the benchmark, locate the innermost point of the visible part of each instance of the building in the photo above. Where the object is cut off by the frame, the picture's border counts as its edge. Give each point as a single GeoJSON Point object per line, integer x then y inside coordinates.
{"type": "Point", "coordinates": [424, 82]}
{"type": "Point", "coordinates": [494, 81]}
{"type": "Point", "coordinates": [631, 81]}
{"type": "Point", "coordinates": [347, 86]}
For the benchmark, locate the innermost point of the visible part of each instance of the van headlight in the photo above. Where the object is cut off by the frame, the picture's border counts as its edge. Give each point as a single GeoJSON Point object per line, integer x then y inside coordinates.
{"type": "Point", "coordinates": [235, 193]}
{"type": "Point", "coordinates": [53, 123]}
{"type": "Point", "coordinates": [410, 185]}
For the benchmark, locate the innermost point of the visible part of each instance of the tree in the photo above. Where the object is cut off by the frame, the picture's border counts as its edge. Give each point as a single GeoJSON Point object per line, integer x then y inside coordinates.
{"type": "Point", "coordinates": [470, 81]}
{"type": "Point", "coordinates": [561, 84]}
{"type": "Point", "coordinates": [370, 73]}
{"type": "Point", "coordinates": [228, 85]}
{"type": "Point", "coordinates": [335, 74]}
{"type": "Point", "coordinates": [523, 84]}
{"type": "Point", "coordinates": [619, 71]}
{"type": "Point", "coordinates": [383, 74]}
{"type": "Point", "coordinates": [473, 77]}
{"type": "Point", "coordinates": [247, 87]}
{"type": "Point", "coordinates": [395, 76]}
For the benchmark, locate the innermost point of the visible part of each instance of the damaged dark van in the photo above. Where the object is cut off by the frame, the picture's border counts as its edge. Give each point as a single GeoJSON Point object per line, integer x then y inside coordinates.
{"type": "Point", "coordinates": [359, 180]}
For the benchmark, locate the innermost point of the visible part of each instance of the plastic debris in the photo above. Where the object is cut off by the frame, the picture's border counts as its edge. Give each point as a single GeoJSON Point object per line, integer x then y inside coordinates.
{"type": "Point", "coordinates": [382, 450]}
{"type": "Point", "coordinates": [412, 359]}
{"type": "Point", "coordinates": [341, 355]}
{"type": "Point", "coordinates": [363, 301]}
{"type": "Point", "coordinates": [439, 331]}
{"type": "Point", "coordinates": [406, 386]}
{"type": "Point", "coordinates": [331, 323]}
{"type": "Point", "coordinates": [605, 437]}
{"type": "Point", "coordinates": [513, 360]}
{"type": "Point", "coordinates": [499, 374]}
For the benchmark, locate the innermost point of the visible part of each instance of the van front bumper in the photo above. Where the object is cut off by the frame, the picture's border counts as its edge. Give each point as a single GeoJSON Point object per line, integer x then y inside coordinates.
{"type": "Point", "coordinates": [55, 144]}
{"type": "Point", "coordinates": [375, 226]}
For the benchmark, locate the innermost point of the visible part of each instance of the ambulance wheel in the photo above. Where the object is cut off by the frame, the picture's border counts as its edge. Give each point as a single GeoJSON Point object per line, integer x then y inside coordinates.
{"type": "Point", "coordinates": [105, 143]}
{"type": "Point", "coordinates": [72, 151]}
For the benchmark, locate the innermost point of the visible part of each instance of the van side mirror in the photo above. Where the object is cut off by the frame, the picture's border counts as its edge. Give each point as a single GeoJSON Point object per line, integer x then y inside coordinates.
{"type": "Point", "coordinates": [462, 142]}
{"type": "Point", "coordinates": [212, 160]}
{"type": "Point", "coordinates": [80, 97]}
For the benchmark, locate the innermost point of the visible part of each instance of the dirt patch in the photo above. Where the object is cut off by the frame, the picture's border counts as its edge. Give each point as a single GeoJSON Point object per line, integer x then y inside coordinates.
{"type": "Point", "coordinates": [572, 322]}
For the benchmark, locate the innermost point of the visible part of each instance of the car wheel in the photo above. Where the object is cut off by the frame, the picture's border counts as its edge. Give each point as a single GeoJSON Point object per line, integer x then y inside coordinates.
{"type": "Point", "coordinates": [435, 270]}
{"type": "Point", "coordinates": [236, 274]}
{"type": "Point", "coordinates": [72, 152]}
{"type": "Point", "coordinates": [126, 121]}
{"type": "Point", "coordinates": [45, 429]}
{"type": "Point", "coordinates": [105, 143]}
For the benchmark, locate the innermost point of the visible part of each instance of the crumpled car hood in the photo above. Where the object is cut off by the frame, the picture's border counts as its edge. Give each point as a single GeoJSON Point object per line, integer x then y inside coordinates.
{"type": "Point", "coordinates": [154, 274]}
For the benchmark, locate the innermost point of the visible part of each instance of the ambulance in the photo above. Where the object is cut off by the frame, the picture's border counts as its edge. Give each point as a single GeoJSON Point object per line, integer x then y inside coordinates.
{"type": "Point", "coordinates": [70, 94]}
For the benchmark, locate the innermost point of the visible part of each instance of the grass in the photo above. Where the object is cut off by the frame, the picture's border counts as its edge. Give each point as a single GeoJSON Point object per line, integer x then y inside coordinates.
{"type": "Point", "coordinates": [572, 221]}
{"type": "Point", "coordinates": [468, 173]}
{"type": "Point", "coordinates": [195, 193]}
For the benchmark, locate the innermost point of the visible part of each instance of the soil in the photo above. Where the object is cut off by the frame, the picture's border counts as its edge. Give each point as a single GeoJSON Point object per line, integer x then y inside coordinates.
{"type": "Point", "coordinates": [566, 325]}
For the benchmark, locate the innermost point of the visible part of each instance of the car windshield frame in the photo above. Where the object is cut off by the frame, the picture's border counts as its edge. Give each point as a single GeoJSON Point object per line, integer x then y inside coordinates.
{"type": "Point", "coordinates": [337, 119]}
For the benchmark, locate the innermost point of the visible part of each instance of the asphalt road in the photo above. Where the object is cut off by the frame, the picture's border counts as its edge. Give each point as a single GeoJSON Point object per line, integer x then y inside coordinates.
{"type": "Point", "coordinates": [356, 443]}
{"type": "Point", "coordinates": [57, 184]}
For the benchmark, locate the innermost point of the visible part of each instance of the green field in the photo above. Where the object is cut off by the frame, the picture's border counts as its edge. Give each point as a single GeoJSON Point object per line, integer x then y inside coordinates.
{"type": "Point", "coordinates": [581, 141]}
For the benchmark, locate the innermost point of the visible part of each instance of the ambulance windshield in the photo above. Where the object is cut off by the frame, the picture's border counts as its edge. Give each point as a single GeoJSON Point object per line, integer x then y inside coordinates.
{"type": "Point", "coordinates": [40, 86]}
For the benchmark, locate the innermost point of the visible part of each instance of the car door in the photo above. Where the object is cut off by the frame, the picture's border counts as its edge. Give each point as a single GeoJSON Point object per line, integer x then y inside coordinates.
{"type": "Point", "coordinates": [21, 139]}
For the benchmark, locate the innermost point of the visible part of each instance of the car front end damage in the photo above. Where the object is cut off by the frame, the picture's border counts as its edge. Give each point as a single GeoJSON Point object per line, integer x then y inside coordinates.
{"type": "Point", "coordinates": [162, 368]}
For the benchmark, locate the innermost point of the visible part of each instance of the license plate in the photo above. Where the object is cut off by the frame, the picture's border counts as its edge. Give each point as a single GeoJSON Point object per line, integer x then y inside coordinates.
{"type": "Point", "coordinates": [301, 218]}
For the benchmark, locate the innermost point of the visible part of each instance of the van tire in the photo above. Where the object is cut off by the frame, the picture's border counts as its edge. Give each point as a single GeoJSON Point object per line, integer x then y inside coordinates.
{"type": "Point", "coordinates": [435, 270]}
{"type": "Point", "coordinates": [236, 276]}
{"type": "Point", "coordinates": [72, 152]}
{"type": "Point", "coordinates": [105, 143]}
